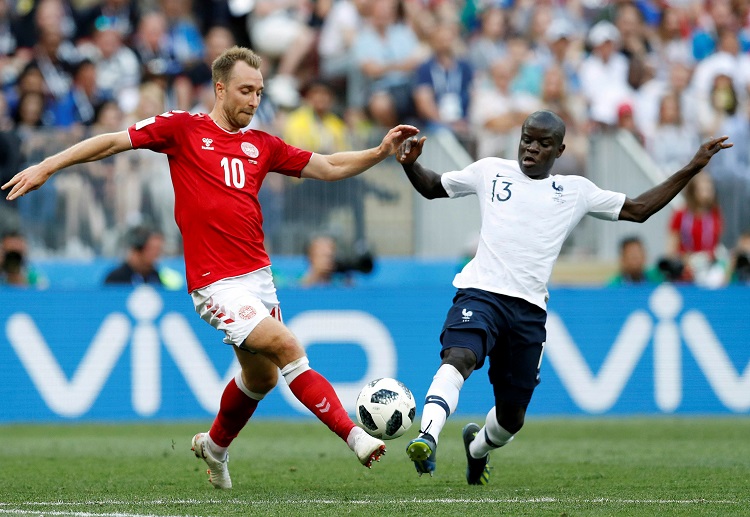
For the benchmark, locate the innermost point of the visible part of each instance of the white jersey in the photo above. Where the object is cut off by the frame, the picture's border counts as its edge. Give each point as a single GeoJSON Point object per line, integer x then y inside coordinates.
{"type": "Point", "coordinates": [524, 224]}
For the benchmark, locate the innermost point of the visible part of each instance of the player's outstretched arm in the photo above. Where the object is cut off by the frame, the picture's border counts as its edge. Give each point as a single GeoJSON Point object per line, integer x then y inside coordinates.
{"type": "Point", "coordinates": [651, 201]}
{"type": "Point", "coordinates": [92, 149]}
{"type": "Point", "coordinates": [339, 166]}
{"type": "Point", "coordinates": [425, 181]}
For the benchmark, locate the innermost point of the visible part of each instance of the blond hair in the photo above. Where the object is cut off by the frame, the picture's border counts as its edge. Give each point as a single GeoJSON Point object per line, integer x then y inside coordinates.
{"type": "Point", "coordinates": [222, 66]}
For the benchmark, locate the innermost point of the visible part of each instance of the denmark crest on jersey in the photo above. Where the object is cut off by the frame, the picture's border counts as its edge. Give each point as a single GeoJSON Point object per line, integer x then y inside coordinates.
{"type": "Point", "coordinates": [249, 149]}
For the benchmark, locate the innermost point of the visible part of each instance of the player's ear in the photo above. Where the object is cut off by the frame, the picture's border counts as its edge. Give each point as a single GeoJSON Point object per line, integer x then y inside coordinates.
{"type": "Point", "coordinates": [560, 150]}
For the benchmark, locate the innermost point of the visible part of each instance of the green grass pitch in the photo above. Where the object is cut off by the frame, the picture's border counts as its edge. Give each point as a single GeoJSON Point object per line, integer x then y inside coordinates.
{"type": "Point", "coordinates": [556, 467]}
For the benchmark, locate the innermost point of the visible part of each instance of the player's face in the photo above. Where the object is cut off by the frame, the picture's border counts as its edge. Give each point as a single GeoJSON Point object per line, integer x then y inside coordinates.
{"type": "Point", "coordinates": [242, 94]}
{"type": "Point", "coordinates": [538, 149]}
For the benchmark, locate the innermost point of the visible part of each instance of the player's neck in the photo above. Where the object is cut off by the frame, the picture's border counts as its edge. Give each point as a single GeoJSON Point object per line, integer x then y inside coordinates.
{"type": "Point", "coordinates": [218, 117]}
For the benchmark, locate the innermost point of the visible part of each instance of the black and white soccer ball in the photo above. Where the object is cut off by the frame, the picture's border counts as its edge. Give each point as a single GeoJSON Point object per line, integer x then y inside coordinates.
{"type": "Point", "coordinates": [386, 408]}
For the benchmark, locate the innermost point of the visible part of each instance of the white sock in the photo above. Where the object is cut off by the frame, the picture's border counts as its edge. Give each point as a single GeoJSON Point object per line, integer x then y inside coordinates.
{"type": "Point", "coordinates": [491, 436]}
{"type": "Point", "coordinates": [244, 389]}
{"type": "Point", "coordinates": [441, 400]}
{"type": "Point", "coordinates": [217, 451]}
{"type": "Point", "coordinates": [295, 369]}
{"type": "Point", "coordinates": [356, 431]}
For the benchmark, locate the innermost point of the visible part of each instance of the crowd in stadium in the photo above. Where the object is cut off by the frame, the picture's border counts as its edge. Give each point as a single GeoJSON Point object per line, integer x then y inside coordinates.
{"type": "Point", "coordinates": [672, 73]}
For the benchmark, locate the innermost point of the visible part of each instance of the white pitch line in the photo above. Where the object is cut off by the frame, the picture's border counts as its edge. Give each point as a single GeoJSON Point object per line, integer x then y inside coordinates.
{"type": "Point", "coordinates": [245, 502]}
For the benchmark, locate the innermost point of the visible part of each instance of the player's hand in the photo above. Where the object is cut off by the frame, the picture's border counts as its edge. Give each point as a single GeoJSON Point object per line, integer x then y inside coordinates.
{"type": "Point", "coordinates": [395, 137]}
{"type": "Point", "coordinates": [26, 181]}
{"type": "Point", "coordinates": [707, 150]}
{"type": "Point", "coordinates": [410, 150]}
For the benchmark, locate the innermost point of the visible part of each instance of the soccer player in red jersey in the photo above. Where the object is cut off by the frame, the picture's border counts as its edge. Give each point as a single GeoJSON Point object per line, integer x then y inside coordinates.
{"type": "Point", "coordinates": [217, 168]}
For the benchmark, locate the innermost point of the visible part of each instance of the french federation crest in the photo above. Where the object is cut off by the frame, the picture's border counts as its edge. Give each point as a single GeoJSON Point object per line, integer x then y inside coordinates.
{"type": "Point", "coordinates": [249, 149]}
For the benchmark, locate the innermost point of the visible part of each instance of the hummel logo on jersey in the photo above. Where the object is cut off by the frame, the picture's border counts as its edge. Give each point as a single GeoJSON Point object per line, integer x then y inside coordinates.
{"type": "Point", "coordinates": [556, 187]}
{"type": "Point", "coordinates": [207, 144]}
{"type": "Point", "coordinates": [466, 315]}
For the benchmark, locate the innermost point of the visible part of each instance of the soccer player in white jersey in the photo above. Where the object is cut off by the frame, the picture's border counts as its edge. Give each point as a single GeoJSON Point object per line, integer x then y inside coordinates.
{"type": "Point", "coordinates": [217, 167]}
{"type": "Point", "coordinates": [499, 311]}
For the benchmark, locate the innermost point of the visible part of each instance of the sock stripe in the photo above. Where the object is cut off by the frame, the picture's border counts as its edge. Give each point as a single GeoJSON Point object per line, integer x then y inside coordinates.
{"type": "Point", "coordinates": [440, 401]}
{"type": "Point", "coordinates": [490, 442]}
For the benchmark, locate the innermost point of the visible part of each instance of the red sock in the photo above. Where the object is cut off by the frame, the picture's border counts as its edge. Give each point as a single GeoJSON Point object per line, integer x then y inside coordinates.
{"type": "Point", "coordinates": [235, 410]}
{"type": "Point", "coordinates": [317, 394]}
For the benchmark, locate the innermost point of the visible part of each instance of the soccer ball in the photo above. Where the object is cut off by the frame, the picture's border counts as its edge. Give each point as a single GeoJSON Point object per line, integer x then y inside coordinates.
{"type": "Point", "coordinates": [386, 408]}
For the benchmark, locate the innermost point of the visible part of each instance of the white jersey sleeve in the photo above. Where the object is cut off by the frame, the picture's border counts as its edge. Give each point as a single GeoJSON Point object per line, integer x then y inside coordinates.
{"type": "Point", "coordinates": [464, 182]}
{"type": "Point", "coordinates": [602, 204]}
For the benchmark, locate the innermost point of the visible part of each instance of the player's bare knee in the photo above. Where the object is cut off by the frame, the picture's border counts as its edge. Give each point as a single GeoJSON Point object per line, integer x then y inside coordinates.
{"type": "Point", "coordinates": [261, 381]}
{"type": "Point", "coordinates": [462, 359]}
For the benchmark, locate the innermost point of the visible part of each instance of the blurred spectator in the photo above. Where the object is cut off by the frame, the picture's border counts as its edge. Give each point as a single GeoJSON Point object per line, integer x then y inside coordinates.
{"type": "Point", "coordinates": [340, 28]}
{"type": "Point", "coordinates": [740, 260]}
{"type": "Point", "coordinates": [192, 82]}
{"type": "Point", "coordinates": [671, 45]}
{"type": "Point", "coordinates": [710, 20]}
{"type": "Point", "coordinates": [727, 60]}
{"type": "Point", "coordinates": [497, 113]}
{"type": "Point", "coordinates": [141, 263]}
{"type": "Point", "coordinates": [648, 101]}
{"type": "Point", "coordinates": [719, 107]}
{"type": "Point", "coordinates": [527, 66]}
{"type": "Point", "coordinates": [12, 57]}
{"type": "Point", "coordinates": [30, 111]}
{"type": "Point", "coordinates": [626, 122]}
{"type": "Point", "coordinates": [14, 269]}
{"type": "Point", "coordinates": [37, 18]}
{"type": "Point", "coordinates": [725, 115]}
{"type": "Point", "coordinates": [320, 253]}
{"type": "Point", "coordinates": [672, 142]}
{"type": "Point", "coordinates": [85, 96]}
{"type": "Point", "coordinates": [604, 75]}
{"type": "Point", "coordinates": [695, 233]}
{"type": "Point", "coordinates": [184, 36]}
{"type": "Point", "coordinates": [572, 109]}
{"type": "Point", "coordinates": [634, 36]}
{"type": "Point", "coordinates": [142, 184]}
{"type": "Point", "coordinates": [442, 89]}
{"type": "Point", "coordinates": [633, 268]}
{"type": "Point", "coordinates": [387, 53]}
{"type": "Point", "coordinates": [311, 206]}
{"type": "Point", "coordinates": [54, 52]}
{"type": "Point", "coordinates": [314, 125]}
{"type": "Point", "coordinates": [280, 33]}
{"type": "Point", "coordinates": [29, 80]}
{"type": "Point", "coordinates": [559, 51]}
{"type": "Point", "coordinates": [488, 44]}
{"type": "Point", "coordinates": [11, 161]}
{"type": "Point", "coordinates": [118, 70]}
{"type": "Point", "coordinates": [151, 44]}
{"type": "Point", "coordinates": [118, 15]}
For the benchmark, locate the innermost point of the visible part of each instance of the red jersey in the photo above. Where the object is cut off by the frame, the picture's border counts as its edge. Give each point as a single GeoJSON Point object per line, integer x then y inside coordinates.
{"type": "Point", "coordinates": [697, 232]}
{"type": "Point", "coordinates": [216, 176]}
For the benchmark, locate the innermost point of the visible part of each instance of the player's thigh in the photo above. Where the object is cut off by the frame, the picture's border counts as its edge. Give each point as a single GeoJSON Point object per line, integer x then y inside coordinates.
{"type": "Point", "coordinates": [514, 368]}
{"type": "Point", "coordinates": [473, 322]}
{"type": "Point", "coordinates": [259, 373]}
{"type": "Point", "coordinates": [274, 340]}
{"type": "Point", "coordinates": [236, 306]}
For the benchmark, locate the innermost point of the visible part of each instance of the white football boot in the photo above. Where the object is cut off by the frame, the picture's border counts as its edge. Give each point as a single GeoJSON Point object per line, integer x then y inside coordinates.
{"type": "Point", "coordinates": [218, 471]}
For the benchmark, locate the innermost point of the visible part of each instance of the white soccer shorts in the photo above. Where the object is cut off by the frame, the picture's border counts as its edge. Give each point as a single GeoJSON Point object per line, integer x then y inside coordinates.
{"type": "Point", "coordinates": [236, 305]}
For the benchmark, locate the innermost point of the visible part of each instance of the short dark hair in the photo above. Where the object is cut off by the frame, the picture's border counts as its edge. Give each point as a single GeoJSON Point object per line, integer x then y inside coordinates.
{"type": "Point", "coordinates": [630, 239]}
{"type": "Point", "coordinates": [138, 236]}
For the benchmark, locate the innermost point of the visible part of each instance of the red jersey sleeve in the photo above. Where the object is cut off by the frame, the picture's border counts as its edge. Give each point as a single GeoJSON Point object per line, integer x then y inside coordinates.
{"type": "Point", "coordinates": [287, 159]}
{"type": "Point", "coordinates": [159, 133]}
